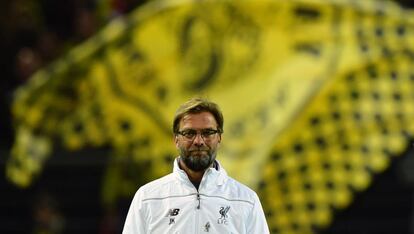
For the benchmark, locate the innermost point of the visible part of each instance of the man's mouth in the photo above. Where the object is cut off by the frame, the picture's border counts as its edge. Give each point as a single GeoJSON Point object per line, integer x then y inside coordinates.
{"type": "Point", "coordinates": [198, 149]}
{"type": "Point", "coordinates": [197, 152]}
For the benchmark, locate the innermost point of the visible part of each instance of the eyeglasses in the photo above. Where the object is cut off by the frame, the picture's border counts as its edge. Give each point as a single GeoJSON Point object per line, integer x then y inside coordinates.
{"type": "Point", "coordinates": [206, 134]}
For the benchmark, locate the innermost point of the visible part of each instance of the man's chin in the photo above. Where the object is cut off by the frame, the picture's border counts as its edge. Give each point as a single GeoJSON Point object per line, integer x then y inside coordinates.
{"type": "Point", "coordinates": [198, 166]}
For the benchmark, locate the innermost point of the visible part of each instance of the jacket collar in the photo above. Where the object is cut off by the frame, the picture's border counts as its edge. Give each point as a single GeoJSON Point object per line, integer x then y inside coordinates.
{"type": "Point", "coordinates": [213, 175]}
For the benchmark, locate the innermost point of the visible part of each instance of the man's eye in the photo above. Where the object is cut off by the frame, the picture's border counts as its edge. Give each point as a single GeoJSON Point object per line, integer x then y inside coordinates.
{"type": "Point", "coordinates": [208, 132]}
{"type": "Point", "coordinates": [189, 133]}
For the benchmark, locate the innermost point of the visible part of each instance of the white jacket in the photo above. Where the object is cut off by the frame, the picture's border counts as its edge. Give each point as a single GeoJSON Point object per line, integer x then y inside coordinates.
{"type": "Point", "coordinates": [172, 204]}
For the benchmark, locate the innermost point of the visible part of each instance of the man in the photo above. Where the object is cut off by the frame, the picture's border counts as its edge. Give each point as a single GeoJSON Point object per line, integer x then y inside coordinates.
{"type": "Point", "coordinates": [198, 197]}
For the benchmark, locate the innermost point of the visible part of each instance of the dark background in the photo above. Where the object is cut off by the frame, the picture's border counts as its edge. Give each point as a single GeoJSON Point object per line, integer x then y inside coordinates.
{"type": "Point", "coordinates": [66, 196]}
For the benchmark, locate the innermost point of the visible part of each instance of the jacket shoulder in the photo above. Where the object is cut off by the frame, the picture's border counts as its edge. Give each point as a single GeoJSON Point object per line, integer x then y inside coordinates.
{"type": "Point", "coordinates": [155, 188]}
{"type": "Point", "coordinates": [240, 190]}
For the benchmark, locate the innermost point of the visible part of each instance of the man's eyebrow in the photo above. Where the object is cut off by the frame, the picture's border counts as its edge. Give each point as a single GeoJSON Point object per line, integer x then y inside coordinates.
{"type": "Point", "coordinates": [209, 128]}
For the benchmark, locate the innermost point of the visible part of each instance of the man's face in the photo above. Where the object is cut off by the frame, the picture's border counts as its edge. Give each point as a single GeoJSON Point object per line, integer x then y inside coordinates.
{"type": "Point", "coordinates": [198, 140]}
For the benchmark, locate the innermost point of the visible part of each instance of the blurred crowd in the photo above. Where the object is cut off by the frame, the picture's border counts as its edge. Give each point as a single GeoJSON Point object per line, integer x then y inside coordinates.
{"type": "Point", "coordinates": [35, 32]}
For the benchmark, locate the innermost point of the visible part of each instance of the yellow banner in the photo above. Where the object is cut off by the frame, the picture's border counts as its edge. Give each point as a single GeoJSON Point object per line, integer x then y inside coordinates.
{"type": "Point", "coordinates": [317, 96]}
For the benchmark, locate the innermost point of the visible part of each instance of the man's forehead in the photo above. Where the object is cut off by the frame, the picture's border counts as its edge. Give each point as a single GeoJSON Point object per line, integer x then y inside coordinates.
{"type": "Point", "coordinates": [202, 118]}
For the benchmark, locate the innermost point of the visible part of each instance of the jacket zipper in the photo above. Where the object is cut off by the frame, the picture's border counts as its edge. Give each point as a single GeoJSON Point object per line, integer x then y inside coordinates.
{"type": "Point", "coordinates": [198, 207]}
{"type": "Point", "coordinates": [198, 199]}
{"type": "Point", "coordinates": [197, 216]}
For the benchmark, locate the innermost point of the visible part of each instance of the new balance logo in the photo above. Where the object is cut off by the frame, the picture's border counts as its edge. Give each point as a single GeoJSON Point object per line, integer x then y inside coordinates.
{"type": "Point", "coordinates": [172, 212]}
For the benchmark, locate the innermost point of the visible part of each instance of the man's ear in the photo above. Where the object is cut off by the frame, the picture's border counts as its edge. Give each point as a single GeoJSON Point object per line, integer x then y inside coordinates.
{"type": "Point", "coordinates": [176, 140]}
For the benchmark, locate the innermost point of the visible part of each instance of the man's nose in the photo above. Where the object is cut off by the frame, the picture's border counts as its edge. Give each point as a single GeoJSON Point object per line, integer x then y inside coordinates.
{"type": "Point", "coordinates": [198, 140]}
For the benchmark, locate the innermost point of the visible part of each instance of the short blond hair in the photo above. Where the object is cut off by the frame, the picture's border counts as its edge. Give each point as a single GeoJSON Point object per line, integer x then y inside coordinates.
{"type": "Point", "coordinates": [198, 105]}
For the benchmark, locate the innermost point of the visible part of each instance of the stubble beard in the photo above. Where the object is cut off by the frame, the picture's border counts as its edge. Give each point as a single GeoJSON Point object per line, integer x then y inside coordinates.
{"type": "Point", "coordinates": [198, 160]}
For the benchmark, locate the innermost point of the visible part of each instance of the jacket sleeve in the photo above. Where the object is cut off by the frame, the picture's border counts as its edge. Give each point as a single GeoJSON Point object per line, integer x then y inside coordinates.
{"type": "Point", "coordinates": [257, 220]}
{"type": "Point", "coordinates": [135, 221]}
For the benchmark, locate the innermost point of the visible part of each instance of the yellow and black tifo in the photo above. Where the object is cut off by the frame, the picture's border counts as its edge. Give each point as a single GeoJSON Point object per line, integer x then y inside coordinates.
{"type": "Point", "coordinates": [318, 97]}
